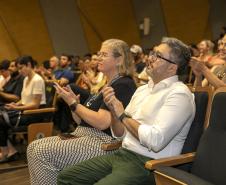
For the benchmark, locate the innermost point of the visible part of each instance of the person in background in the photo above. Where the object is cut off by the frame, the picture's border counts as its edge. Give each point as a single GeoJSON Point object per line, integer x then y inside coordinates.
{"type": "Point", "coordinates": [205, 48]}
{"type": "Point", "coordinates": [93, 78]}
{"type": "Point", "coordinates": [63, 73]}
{"type": "Point", "coordinates": [54, 63]}
{"type": "Point", "coordinates": [217, 71]}
{"type": "Point", "coordinates": [137, 52]}
{"type": "Point", "coordinates": [32, 97]}
{"type": "Point", "coordinates": [12, 89]}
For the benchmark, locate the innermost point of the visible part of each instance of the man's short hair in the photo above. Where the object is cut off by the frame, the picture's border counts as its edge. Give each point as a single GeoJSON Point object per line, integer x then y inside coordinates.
{"type": "Point", "coordinates": [180, 52]}
{"type": "Point", "coordinates": [69, 57]}
{"type": "Point", "coordinates": [4, 65]}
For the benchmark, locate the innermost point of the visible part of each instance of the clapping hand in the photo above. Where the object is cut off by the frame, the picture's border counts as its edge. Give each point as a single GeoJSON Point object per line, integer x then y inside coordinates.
{"type": "Point", "coordinates": [196, 66]}
{"type": "Point", "coordinates": [66, 94]}
{"type": "Point", "coordinates": [112, 102]}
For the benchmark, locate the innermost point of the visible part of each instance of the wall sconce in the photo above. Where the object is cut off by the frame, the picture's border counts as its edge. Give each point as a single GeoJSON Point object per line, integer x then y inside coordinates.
{"type": "Point", "coordinates": [145, 25]}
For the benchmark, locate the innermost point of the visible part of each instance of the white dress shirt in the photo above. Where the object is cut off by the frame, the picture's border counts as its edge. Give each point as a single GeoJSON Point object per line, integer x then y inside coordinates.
{"type": "Point", "coordinates": [165, 112]}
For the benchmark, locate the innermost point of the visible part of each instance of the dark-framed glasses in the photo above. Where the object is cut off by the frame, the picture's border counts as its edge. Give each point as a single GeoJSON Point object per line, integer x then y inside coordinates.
{"type": "Point", "coordinates": [155, 55]}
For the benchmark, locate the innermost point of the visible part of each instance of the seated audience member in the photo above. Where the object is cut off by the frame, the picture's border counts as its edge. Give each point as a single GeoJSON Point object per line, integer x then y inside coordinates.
{"type": "Point", "coordinates": [75, 63]}
{"type": "Point", "coordinates": [4, 73]}
{"type": "Point", "coordinates": [63, 73]}
{"type": "Point", "coordinates": [205, 48]}
{"type": "Point", "coordinates": [138, 58]}
{"type": "Point", "coordinates": [154, 124]}
{"type": "Point", "coordinates": [12, 89]}
{"type": "Point", "coordinates": [54, 63]}
{"type": "Point", "coordinates": [32, 96]}
{"type": "Point", "coordinates": [48, 156]}
{"type": "Point", "coordinates": [94, 79]}
{"type": "Point", "coordinates": [142, 77]}
{"type": "Point", "coordinates": [217, 59]}
{"type": "Point", "coordinates": [46, 70]}
{"type": "Point", "coordinates": [65, 61]}
{"type": "Point", "coordinates": [215, 77]}
{"type": "Point", "coordinates": [84, 66]}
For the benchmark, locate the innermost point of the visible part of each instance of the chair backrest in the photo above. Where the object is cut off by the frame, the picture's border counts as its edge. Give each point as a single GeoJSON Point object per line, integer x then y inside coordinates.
{"type": "Point", "coordinates": [203, 96]}
{"type": "Point", "coordinates": [39, 130]}
{"type": "Point", "coordinates": [210, 161]}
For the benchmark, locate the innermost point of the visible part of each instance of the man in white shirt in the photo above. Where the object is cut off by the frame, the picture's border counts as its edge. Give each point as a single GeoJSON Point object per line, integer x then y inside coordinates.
{"type": "Point", "coordinates": [154, 125]}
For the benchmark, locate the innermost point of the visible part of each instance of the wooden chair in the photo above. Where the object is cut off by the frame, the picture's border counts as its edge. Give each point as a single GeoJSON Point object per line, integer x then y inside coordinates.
{"type": "Point", "coordinates": [208, 163]}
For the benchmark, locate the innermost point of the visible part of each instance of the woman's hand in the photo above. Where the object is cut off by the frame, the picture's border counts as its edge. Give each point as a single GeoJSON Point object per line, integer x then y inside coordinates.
{"type": "Point", "coordinates": [196, 66]}
{"type": "Point", "coordinates": [67, 94]}
{"type": "Point", "coordinates": [112, 102]}
{"type": "Point", "coordinates": [11, 106]}
{"type": "Point", "coordinates": [85, 79]}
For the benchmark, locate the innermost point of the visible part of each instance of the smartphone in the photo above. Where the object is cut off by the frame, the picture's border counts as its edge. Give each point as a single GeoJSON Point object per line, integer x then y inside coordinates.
{"type": "Point", "coordinates": [65, 136]}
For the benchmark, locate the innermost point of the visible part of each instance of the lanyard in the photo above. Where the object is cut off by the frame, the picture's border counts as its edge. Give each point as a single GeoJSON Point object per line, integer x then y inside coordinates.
{"type": "Point", "coordinates": [94, 97]}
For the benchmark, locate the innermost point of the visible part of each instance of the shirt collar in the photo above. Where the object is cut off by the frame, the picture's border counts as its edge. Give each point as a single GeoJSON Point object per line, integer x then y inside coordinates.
{"type": "Point", "coordinates": [162, 84]}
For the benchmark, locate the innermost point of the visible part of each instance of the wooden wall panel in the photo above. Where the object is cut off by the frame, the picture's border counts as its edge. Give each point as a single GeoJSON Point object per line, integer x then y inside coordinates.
{"type": "Point", "coordinates": [25, 29]}
{"type": "Point", "coordinates": [8, 49]}
{"type": "Point", "coordinates": [64, 26]}
{"type": "Point", "coordinates": [187, 20]}
{"type": "Point", "coordinates": [109, 19]}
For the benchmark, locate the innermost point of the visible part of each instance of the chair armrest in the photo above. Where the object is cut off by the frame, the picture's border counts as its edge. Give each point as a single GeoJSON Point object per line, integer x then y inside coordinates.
{"type": "Point", "coordinates": [37, 111]}
{"type": "Point", "coordinates": [170, 175]}
{"type": "Point", "coordinates": [111, 146]}
{"type": "Point", "coordinates": [170, 161]}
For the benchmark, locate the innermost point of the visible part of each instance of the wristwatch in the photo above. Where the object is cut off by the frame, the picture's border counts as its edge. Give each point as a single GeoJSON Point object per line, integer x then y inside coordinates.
{"type": "Point", "coordinates": [124, 115]}
{"type": "Point", "coordinates": [73, 106]}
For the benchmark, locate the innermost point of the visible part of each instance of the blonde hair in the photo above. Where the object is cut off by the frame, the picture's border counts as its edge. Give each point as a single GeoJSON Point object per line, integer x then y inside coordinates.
{"type": "Point", "coordinates": [209, 44]}
{"type": "Point", "coordinates": [120, 48]}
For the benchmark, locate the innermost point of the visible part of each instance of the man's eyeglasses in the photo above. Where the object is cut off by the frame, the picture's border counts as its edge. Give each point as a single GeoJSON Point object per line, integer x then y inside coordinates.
{"type": "Point", "coordinates": [155, 55]}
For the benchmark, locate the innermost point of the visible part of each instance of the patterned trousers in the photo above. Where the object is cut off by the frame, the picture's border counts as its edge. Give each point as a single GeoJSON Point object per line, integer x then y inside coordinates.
{"type": "Point", "coordinates": [48, 156]}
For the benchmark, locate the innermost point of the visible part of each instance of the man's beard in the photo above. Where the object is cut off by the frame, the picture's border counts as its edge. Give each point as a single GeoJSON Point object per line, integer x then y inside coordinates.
{"type": "Point", "coordinates": [14, 74]}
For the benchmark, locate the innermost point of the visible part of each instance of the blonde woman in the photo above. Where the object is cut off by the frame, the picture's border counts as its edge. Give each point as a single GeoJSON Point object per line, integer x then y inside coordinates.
{"type": "Point", "coordinates": [48, 156]}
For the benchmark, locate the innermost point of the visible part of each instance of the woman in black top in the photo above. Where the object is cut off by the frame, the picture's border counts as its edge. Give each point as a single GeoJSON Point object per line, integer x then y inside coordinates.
{"type": "Point", "coordinates": [46, 157]}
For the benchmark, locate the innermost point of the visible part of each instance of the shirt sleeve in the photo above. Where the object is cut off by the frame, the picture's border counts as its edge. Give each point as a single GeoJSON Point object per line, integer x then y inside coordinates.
{"type": "Point", "coordinates": [68, 75]}
{"type": "Point", "coordinates": [38, 86]}
{"type": "Point", "coordinates": [116, 137]}
{"type": "Point", "coordinates": [178, 108]}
